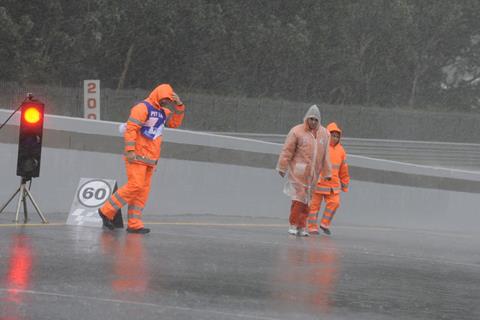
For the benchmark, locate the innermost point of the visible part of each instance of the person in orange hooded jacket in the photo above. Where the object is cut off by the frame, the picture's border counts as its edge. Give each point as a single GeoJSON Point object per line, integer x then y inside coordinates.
{"type": "Point", "coordinates": [143, 140]}
{"type": "Point", "coordinates": [329, 190]}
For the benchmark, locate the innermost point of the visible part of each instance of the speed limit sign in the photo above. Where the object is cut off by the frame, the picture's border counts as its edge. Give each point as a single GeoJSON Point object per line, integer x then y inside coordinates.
{"type": "Point", "coordinates": [91, 194]}
{"type": "Point", "coordinates": [94, 193]}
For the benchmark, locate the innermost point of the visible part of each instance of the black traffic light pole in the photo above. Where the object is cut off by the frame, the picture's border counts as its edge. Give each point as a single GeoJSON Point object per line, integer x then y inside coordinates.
{"type": "Point", "coordinates": [29, 152]}
{"type": "Point", "coordinates": [24, 193]}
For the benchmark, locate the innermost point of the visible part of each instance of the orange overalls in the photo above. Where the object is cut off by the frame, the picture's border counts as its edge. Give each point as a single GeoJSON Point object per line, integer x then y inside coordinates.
{"type": "Point", "coordinates": [330, 190]}
{"type": "Point", "coordinates": [143, 135]}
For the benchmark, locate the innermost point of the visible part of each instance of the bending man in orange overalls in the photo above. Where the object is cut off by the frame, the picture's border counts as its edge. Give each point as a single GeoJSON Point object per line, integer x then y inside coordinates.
{"type": "Point", "coordinates": [143, 140]}
{"type": "Point", "coordinates": [329, 190]}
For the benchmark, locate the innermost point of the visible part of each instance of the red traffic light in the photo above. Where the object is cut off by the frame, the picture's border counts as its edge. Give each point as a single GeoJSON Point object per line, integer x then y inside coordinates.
{"type": "Point", "coordinates": [30, 138]}
{"type": "Point", "coordinates": [32, 115]}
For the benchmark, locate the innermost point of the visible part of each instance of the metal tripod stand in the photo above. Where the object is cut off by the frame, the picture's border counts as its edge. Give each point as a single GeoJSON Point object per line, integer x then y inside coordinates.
{"type": "Point", "coordinates": [24, 193]}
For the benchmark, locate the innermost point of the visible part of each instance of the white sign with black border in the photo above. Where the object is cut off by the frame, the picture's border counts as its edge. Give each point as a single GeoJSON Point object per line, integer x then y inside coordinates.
{"type": "Point", "coordinates": [90, 195]}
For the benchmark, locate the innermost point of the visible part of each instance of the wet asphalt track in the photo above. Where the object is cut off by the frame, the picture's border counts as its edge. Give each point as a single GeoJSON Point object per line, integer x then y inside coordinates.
{"type": "Point", "coordinates": [210, 267]}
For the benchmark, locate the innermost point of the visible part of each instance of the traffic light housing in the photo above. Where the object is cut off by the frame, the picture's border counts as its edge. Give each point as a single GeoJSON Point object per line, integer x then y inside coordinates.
{"type": "Point", "coordinates": [30, 138]}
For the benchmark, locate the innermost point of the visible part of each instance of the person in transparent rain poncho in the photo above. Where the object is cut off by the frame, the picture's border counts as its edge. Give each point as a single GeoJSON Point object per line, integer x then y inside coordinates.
{"type": "Point", "coordinates": [303, 159]}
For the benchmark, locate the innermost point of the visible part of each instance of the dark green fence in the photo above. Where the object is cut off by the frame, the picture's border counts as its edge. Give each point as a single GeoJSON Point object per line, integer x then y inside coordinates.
{"type": "Point", "coordinates": [239, 114]}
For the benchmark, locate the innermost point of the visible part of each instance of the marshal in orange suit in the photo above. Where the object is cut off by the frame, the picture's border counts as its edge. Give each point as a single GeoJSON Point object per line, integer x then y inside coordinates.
{"type": "Point", "coordinates": [143, 140]}
{"type": "Point", "coordinates": [329, 190]}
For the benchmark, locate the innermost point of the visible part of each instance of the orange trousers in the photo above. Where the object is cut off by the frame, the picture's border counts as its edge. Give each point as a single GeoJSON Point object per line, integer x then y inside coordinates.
{"type": "Point", "coordinates": [298, 214]}
{"type": "Point", "coordinates": [134, 193]}
{"type": "Point", "coordinates": [332, 201]}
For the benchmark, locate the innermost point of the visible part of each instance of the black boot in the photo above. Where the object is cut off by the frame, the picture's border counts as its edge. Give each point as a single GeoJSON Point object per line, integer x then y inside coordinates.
{"type": "Point", "coordinates": [325, 230]}
{"type": "Point", "coordinates": [140, 231]}
{"type": "Point", "coordinates": [106, 222]}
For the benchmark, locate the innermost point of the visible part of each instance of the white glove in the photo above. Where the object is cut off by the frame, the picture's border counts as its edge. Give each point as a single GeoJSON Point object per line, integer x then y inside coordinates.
{"type": "Point", "coordinates": [122, 128]}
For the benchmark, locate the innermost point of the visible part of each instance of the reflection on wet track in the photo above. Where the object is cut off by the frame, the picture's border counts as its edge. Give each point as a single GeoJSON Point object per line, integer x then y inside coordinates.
{"type": "Point", "coordinates": [229, 269]}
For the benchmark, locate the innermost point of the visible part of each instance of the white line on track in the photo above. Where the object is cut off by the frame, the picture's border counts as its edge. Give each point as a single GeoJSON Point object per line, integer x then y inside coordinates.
{"type": "Point", "coordinates": [136, 303]}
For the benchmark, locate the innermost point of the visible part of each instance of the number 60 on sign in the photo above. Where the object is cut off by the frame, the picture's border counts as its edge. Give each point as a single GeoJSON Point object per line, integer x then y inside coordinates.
{"type": "Point", "coordinates": [94, 193]}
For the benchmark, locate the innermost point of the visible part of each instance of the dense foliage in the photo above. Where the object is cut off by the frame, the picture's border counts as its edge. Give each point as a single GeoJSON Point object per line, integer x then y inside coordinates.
{"type": "Point", "coordinates": [417, 53]}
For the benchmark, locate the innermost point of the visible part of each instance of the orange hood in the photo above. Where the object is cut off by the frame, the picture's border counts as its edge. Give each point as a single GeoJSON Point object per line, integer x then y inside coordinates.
{"type": "Point", "coordinates": [334, 127]}
{"type": "Point", "coordinates": [161, 92]}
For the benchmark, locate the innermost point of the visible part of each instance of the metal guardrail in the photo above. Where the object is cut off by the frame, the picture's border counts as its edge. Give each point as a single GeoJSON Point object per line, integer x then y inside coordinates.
{"type": "Point", "coordinates": [465, 156]}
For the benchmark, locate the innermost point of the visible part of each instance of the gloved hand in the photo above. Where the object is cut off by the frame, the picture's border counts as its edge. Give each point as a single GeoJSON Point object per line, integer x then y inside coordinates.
{"type": "Point", "coordinates": [177, 100]}
{"type": "Point", "coordinates": [122, 128]}
{"type": "Point", "coordinates": [282, 174]}
{"type": "Point", "coordinates": [130, 155]}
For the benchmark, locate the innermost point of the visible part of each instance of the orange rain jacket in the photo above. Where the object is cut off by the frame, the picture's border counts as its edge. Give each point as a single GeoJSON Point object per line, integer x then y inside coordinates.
{"type": "Point", "coordinates": [147, 151]}
{"type": "Point", "coordinates": [304, 157]}
{"type": "Point", "coordinates": [340, 175]}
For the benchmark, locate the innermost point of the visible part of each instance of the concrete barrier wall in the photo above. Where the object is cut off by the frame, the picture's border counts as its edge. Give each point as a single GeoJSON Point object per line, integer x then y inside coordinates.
{"type": "Point", "coordinates": [202, 173]}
